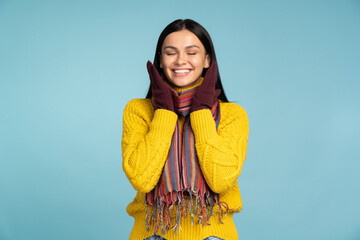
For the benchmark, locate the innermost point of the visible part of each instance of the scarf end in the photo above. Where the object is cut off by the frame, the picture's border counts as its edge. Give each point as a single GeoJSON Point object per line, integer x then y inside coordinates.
{"type": "Point", "coordinates": [166, 215]}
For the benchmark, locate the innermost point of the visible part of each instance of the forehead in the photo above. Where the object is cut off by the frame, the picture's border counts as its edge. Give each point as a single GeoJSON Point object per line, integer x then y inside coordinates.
{"type": "Point", "coordinates": [182, 39]}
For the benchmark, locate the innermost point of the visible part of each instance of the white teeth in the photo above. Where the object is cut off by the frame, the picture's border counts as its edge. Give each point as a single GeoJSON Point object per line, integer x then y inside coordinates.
{"type": "Point", "coordinates": [182, 71]}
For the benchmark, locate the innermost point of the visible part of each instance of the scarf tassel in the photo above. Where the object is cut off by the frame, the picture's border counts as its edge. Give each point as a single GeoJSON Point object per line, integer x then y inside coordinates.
{"type": "Point", "coordinates": [166, 215]}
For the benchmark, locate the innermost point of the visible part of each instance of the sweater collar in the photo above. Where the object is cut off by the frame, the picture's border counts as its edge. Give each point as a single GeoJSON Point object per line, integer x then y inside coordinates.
{"type": "Point", "coordinates": [182, 98]}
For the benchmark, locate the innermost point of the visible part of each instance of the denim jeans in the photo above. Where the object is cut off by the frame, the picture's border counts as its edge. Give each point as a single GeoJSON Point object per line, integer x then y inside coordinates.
{"type": "Point", "coordinates": [157, 237]}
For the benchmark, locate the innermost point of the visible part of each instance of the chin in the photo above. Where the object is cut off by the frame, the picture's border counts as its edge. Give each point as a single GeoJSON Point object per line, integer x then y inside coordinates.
{"type": "Point", "coordinates": [182, 85]}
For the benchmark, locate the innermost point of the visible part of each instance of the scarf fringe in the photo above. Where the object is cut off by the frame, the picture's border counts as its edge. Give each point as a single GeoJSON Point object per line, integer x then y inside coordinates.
{"type": "Point", "coordinates": [167, 214]}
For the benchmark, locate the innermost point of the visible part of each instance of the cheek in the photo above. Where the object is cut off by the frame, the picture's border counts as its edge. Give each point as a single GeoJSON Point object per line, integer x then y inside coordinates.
{"type": "Point", "coordinates": [199, 63]}
{"type": "Point", "coordinates": [200, 60]}
{"type": "Point", "coordinates": [166, 61]}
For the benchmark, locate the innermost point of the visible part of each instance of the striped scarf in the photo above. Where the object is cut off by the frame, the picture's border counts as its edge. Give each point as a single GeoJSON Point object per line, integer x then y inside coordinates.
{"type": "Point", "coordinates": [182, 188]}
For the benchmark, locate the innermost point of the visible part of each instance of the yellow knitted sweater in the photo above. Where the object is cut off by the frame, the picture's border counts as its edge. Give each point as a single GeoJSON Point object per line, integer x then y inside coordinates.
{"type": "Point", "coordinates": [146, 141]}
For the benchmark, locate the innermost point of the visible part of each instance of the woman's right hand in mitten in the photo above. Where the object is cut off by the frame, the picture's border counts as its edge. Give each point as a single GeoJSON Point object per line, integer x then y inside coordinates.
{"type": "Point", "coordinates": [161, 96]}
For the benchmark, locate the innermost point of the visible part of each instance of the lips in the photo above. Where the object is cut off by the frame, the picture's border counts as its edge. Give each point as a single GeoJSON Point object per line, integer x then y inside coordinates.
{"type": "Point", "coordinates": [181, 72]}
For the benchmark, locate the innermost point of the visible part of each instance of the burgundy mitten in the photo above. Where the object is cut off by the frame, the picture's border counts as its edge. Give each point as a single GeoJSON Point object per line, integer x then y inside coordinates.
{"type": "Point", "coordinates": [161, 96]}
{"type": "Point", "coordinates": [206, 94]}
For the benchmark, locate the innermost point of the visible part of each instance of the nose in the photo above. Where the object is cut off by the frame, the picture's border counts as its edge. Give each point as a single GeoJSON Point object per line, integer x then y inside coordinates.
{"type": "Point", "coordinates": [181, 59]}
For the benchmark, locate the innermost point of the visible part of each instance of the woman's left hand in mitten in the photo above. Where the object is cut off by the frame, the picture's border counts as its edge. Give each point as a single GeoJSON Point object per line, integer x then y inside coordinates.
{"type": "Point", "coordinates": [206, 94]}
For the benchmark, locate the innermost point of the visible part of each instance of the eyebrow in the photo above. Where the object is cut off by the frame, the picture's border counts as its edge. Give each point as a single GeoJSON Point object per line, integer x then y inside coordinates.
{"type": "Point", "coordinates": [190, 46]}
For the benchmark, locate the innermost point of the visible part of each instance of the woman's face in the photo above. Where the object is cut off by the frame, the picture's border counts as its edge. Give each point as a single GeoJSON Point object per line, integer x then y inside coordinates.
{"type": "Point", "coordinates": [183, 58]}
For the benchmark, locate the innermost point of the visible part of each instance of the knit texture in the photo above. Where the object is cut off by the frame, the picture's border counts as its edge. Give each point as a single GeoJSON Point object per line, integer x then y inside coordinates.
{"type": "Point", "coordinates": [146, 141]}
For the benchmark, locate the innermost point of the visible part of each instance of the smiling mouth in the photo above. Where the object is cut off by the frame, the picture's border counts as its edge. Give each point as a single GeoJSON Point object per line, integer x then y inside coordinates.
{"type": "Point", "coordinates": [181, 72]}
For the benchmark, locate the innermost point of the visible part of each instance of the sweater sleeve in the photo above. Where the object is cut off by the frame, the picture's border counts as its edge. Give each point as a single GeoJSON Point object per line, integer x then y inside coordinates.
{"type": "Point", "coordinates": [145, 142]}
{"type": "Point", "coordinates": [221, 153]}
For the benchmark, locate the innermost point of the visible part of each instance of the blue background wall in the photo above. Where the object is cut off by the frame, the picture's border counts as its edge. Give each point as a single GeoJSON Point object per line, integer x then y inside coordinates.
{"type": "Point", "coordinates": [67, 69]}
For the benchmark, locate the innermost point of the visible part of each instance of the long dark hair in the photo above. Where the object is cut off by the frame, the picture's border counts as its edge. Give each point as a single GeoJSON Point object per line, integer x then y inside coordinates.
{"type": "Point", "coordinates": [203, 36]}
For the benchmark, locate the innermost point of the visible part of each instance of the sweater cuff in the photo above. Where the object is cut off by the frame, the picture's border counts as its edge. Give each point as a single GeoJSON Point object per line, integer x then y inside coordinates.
{"type": "Point", "coordinates": [163, 124]}
{"type": "Point", "coordinates": [203, 125]}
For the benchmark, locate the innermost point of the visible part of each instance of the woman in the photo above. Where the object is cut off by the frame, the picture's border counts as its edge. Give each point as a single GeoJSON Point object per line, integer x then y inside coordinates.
{"type": "Point", "coordinates": [184, 145]}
